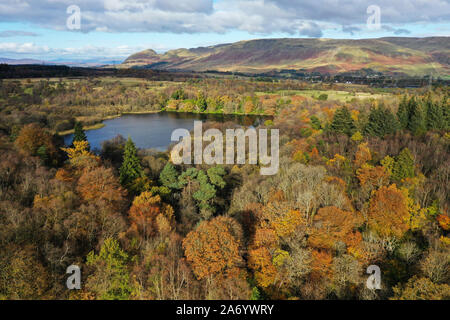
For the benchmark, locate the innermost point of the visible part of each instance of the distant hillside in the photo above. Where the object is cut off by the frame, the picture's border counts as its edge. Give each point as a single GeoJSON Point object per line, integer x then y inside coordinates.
{"type": "Point", "coordinates": [22, 61]}
{"type": "Point", "coordinates": [397, 56]}
{"type": "Point", "coordinates": [96, 62]}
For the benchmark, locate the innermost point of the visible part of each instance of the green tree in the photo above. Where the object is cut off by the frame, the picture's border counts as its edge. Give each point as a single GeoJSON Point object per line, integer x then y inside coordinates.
{"type": "Point", "coordinates": [79, 134]}
{"type": "Point", "coordinates": [110, 279]}
{"type": "Point", "coordinates": [446, 113]}
{"type": "Point", "coordinates": [403, 113]}
{"type": "Point", "coordinates": [315, 123]}
{"type": "Point", "coordinates": [201, 102]}
{"type": "Point", "coordinates": [215, 175]}
{"type": "Point", "coordinates": [343, 122]}
{"type": "Point", "coordinates": [381, 122]}
{"type": "Point", "coordinates": [434, 115]}
{"type": "Point", "coordinates": [169, 177]}
{"type": "Point", "coordinates": [205, 194]}
{"type": "Point", "coordinates": [179, 95]}
{"type": "Point", "coordinates": [417, 123]}
{"type": "Point", "coordinates": [403, 166]}
{"type": "Point", "coordinates": [131, 167]}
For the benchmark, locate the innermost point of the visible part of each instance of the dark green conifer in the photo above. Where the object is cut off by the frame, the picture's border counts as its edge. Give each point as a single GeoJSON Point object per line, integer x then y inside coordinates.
{"type": "Point", "coordinates": [343, 122]}
{"type": "Point", "coordinates": [79, 134]}
{"type": "Point", "coordinates": [417, 123]}
{"type": "Point", "coordinates": [131, 167]}
{"type": "Point", "coordinates": [381, 122]}
{"type": "Point", "coordinates": [403, 113]}
{"type": "Point", "coordinates": [434, 114]}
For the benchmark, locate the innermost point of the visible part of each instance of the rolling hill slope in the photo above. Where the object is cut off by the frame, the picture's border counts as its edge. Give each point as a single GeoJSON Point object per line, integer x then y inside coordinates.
{"type": "Point", "coordinates": [401, 56]}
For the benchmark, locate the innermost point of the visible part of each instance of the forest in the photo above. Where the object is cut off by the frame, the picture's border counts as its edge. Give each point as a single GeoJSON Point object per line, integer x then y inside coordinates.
{"type": "Point", "coordinates": [363, 180]}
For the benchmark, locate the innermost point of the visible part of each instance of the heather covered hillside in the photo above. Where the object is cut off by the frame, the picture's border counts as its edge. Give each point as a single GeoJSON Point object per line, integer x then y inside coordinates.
{"type": "Point", "coordinates": [397, 56]}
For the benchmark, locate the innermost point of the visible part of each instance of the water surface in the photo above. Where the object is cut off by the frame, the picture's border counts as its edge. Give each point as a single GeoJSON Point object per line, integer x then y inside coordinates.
{"type": "Point", "coordinates": [154, 130]}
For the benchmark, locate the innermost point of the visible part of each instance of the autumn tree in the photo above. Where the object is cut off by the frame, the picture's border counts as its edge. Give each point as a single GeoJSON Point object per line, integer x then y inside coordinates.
{"type": "Point", "coordinates": [22, 275]}
{"type": "Point", "coordinates": [149, 215]}
{"type": "Point", "coordinates": [371, 177]}
{"type": "Point", "coordinates": [80, 157]}
{"type": "Point", "coordinates": [100, 184]}
{"type": "Point", "coordinates": [363, 155]}
{"type": "Point", "coordinates": [277, 253]}
{"type": "Point", "coordinates": [418, 288]}
{"type": "Point", "coordinates": [332, 226]}
{"type": "Point", "coordinates": [162, 272]}
{"type": "Point", "coordinates": [214, 248]}
{"type": "Point", "coordinates": [388, 212]}
{"type": "Point", "coordinates": [36, 141]}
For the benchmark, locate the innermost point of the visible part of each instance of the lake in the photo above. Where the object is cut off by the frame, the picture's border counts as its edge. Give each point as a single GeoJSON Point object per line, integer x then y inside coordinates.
{"type": "Point", "coordinates": [154, 130]}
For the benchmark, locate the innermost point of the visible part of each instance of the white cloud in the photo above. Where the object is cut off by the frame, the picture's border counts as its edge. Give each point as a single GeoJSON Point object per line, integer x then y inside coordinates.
{"type": "Point", "coordinates": [88, 51]}
{"type": "Point", "coordinates": [22, 48]}
{"type": "Point", "coordinates": [305, 17]}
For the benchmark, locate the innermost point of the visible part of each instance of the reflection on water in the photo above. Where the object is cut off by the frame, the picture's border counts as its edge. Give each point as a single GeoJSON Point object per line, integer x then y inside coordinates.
{"type": "Point", "coordinates": [154, 130]}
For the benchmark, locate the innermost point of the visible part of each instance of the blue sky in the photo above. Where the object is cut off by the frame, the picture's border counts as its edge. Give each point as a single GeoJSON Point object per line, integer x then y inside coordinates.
{"type": "Point", "coordinates": [113, 29]}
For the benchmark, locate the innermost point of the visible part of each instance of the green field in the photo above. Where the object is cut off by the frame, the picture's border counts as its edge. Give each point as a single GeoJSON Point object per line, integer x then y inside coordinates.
{"type": "Point", "coordinates": [333, 95]}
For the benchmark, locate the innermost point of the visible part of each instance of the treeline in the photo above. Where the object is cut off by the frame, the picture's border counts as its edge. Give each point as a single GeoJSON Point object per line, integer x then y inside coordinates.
{"type": "Point", "coordinates": [48, 71]}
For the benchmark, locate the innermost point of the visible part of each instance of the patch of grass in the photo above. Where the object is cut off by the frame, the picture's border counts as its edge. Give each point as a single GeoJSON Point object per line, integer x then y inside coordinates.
{"type": "Point", "coordinates": [86, 128]}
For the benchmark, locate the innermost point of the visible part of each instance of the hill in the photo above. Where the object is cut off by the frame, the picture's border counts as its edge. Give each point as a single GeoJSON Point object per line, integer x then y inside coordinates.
{"type": "Point", "coordinates": [395, 56]}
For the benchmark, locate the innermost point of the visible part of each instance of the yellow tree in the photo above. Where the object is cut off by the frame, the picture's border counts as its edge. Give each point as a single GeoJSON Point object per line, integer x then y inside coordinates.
{"type": "Point", "coordinates": [214, 248]}
{"type": "Point", "coordinates": [388, 212]}
{"type": "Point", "coordinates": [149, 215]}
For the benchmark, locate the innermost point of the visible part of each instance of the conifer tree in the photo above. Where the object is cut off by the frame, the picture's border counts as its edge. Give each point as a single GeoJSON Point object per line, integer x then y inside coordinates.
{"type": "Point", "coordinates": [416, 124]}
{"type": "Point", "coordinates": [381, 122]}
{"type": "Point", "coordinates": [434, 115]}
{"type": "Point", "coordinates": [403, 166]}
{"type": "Point", "coordinates": [79, 134]}
{"type": "Point", "coordinates": [445, 105]}
{"type": "Point", "coordinates": [131, 167]}
{"type": "Point", "coordinates": [403, 113]}
{"type": "Point", "coordinates": [343, 122]}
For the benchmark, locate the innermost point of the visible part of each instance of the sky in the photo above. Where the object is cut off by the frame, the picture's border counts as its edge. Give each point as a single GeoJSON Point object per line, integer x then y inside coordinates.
{"type": "Point", "coordinates": [78, 30]}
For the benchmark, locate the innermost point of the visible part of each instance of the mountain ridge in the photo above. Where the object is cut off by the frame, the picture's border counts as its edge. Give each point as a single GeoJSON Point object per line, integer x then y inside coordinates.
{"type": "Point", "coordinates": [389, 55]}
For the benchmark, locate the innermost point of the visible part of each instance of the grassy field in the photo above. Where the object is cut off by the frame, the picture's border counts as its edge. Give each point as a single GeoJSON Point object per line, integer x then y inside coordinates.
{"type": "Point", "coordinates": [333, 95]}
